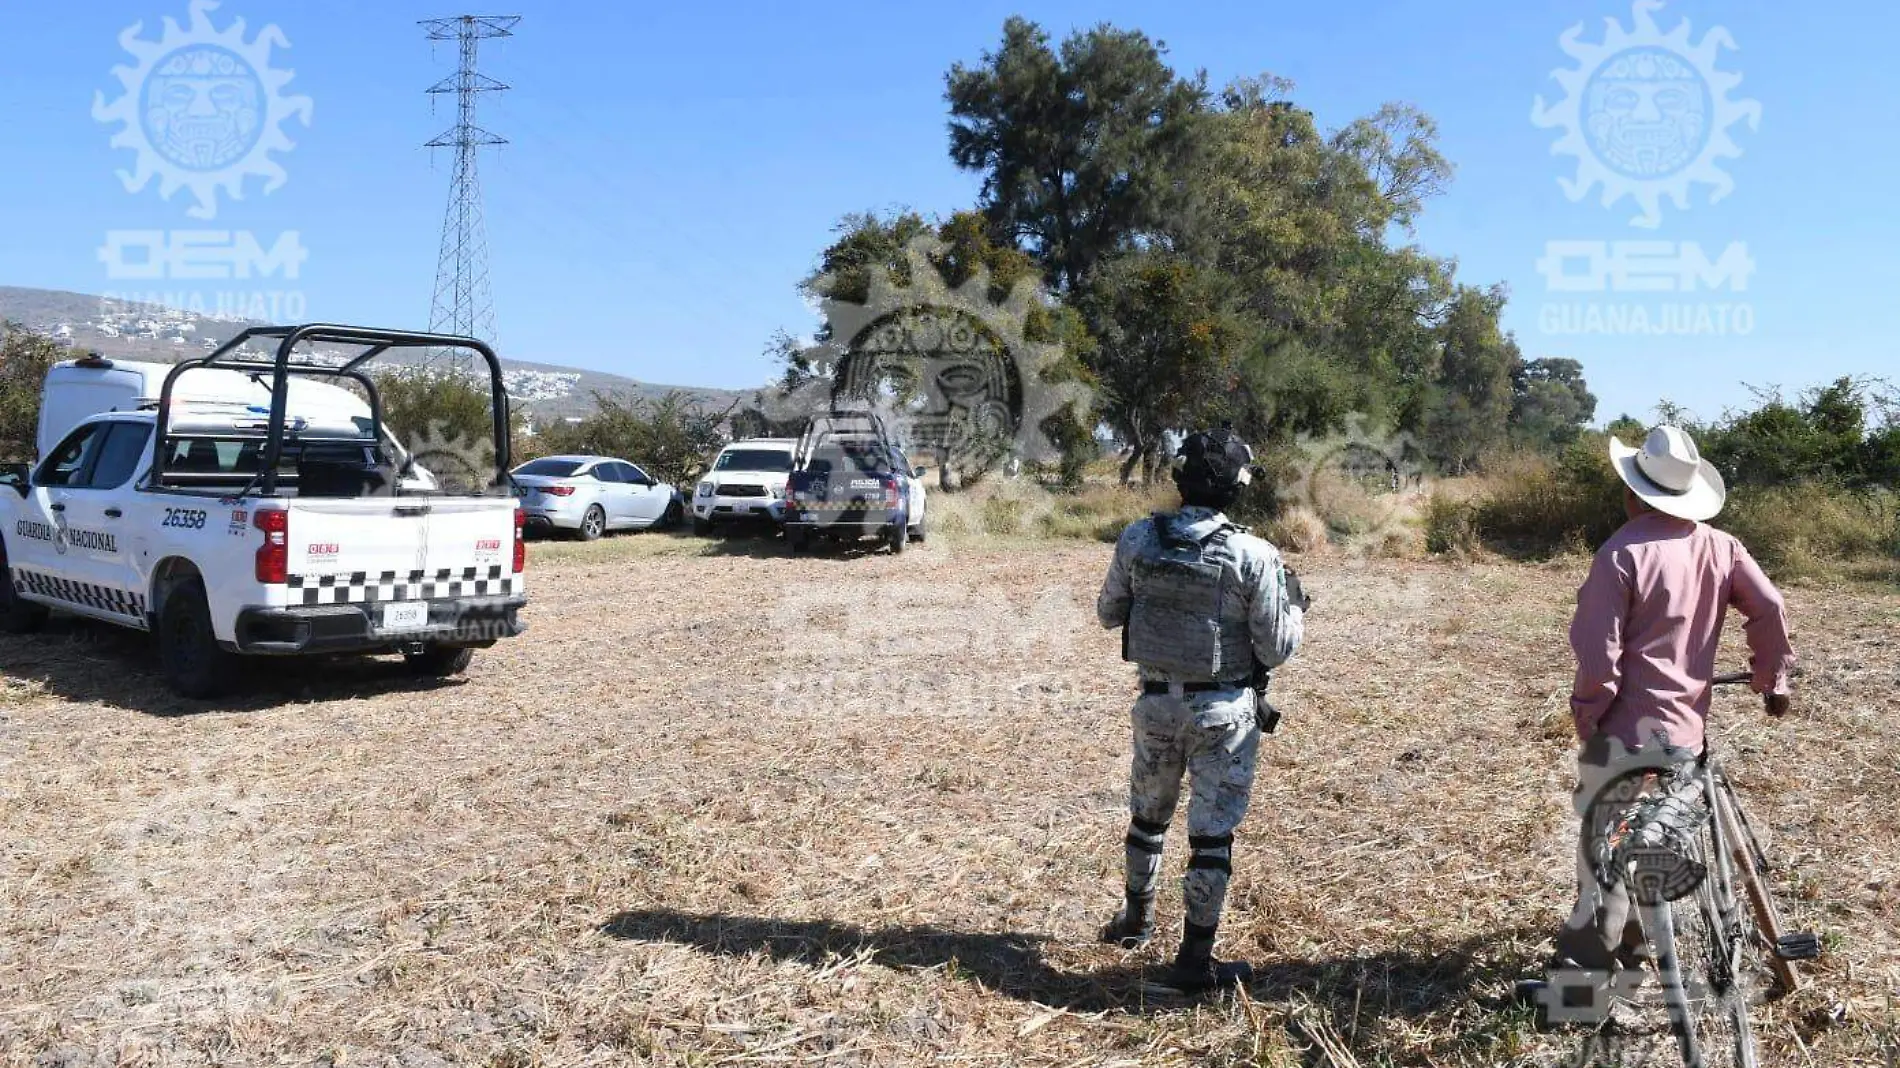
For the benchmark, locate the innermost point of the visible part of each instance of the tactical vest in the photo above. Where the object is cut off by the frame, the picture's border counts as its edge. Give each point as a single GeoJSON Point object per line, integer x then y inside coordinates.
{"type": "Point", "coordinates": [1174, 622]}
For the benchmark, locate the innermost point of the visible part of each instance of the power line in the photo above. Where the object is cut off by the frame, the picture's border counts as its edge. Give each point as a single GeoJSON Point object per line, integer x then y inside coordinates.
{"type": "Point", "coordinates": [463, 303]}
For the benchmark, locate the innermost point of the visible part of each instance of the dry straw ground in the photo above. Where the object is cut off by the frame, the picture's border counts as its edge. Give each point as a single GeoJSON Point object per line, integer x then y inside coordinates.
{"type": "Point", "coordinates": [722, 806]}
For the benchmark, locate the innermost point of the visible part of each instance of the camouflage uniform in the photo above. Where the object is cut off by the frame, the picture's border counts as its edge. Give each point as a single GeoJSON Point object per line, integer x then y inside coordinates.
{"type": "Point", "coordinates": [1210, 735]}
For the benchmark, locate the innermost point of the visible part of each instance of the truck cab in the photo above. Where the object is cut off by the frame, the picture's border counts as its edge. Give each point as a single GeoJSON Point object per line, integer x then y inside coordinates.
{"type": "Point", "coordinates": [746, 481]}
{"type": "Point", "coordinates": [242, 508]}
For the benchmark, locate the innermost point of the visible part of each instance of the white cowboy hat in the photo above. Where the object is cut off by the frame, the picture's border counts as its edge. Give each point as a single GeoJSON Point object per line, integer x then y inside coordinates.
{"type": "Point", "coordinates": [1670, 475]}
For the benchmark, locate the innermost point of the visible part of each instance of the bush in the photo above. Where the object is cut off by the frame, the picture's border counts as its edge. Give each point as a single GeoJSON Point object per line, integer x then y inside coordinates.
{"type": "Point", "coordinates": [1101, 513]}
{"type": "Point", "coordinates": [25, 357]}
{"type": "Point", "coordinates": [1297, 530]}
{"type": "Point", "coordinates": [673, 437]}
{"type": "Point", "coordinates": [1451, 524]}
{"type": "Point", "coordinates": [1534, 507]}
{"type": "Point", "coordinates": [1803, 529]}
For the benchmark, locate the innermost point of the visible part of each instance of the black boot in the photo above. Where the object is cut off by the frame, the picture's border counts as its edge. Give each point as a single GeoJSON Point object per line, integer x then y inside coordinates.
{"type": "Point", "coordinates": [1134, 925]}
{"type": "Point", "coordinates": [1196, 971]}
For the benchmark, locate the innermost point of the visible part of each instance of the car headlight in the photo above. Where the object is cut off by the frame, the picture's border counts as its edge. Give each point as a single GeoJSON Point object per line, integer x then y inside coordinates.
{"type": "Point", "coordinates": [705, 489]}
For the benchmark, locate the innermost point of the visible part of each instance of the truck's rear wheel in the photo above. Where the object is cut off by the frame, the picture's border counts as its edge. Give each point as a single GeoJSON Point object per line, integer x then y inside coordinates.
{"type": "Point", "coordinates": [188, 651]}
{"type": "Point", "coordinates": [897, 537]}
{"type": "Point", "coordinates": [439, 661]}
{"type": "Point", "coordinates": [17, 615]}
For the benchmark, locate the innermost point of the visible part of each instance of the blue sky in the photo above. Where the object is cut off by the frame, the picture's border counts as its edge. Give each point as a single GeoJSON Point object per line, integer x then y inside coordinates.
{"type": "Point", "coordinates": [676, 168]}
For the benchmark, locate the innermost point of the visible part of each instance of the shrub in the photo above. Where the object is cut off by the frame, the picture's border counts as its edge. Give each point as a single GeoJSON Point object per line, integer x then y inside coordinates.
{"type": "Point", "coordinates": [25, 357]}
{"type": "Point", "coordinates": [1003, 515]}
{"type": "Point", "coordinates": [1802, 529]}
{"type": "Point", "coordinates": [1297, 530]}
{"type": "Point", "coordinates": [1451, 524]}
{"type": "Point", "coordinates": [673, 437]}
{"type": "Point", "coordinates": [1535, 507]}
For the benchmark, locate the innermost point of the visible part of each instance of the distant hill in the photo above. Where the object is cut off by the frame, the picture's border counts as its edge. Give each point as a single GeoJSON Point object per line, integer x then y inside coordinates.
{"type": "Point", "coordinates": [145, 332]}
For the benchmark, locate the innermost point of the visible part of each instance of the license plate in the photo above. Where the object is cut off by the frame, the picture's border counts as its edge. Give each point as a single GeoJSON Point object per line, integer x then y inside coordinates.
{"type": "Point", "coordinates": [406, 615]}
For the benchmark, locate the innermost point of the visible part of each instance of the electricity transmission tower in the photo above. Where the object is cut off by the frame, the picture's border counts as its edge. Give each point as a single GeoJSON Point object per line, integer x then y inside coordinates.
{"type": "Point", "coordinates": [463, 303]}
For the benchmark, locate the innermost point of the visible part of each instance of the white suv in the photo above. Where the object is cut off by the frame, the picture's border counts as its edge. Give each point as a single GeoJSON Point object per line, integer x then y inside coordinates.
{"type": "Point", "coordinates": [747, 481]}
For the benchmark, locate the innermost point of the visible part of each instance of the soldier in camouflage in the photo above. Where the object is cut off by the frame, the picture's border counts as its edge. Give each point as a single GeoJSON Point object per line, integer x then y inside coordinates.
{"type": "Point", "coordinates": [1207, 610]}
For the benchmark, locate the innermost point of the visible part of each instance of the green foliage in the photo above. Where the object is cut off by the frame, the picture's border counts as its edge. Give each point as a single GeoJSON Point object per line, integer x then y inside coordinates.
{"type": "Point", "coordinates": [25, 357]}
{"type": "Point", "coordinates": [1300, 222]}
{"type": "Point", "coordinates": [1629, 430]}
{"type": "Point", "coordinates": [435, 406]}
{"type": "Point", "coordinates": [1537, 505]}
{"type": "Point", "coordinates": [966, 245]}
{"type": "Point", "coordinates": [1451, 524]}
{"type": "Point", "coordinates": [1820, 436]}
{"type": "Point", "coordinates": [445, 421]}
{"type": "Point", "coordinates": [1078, 147]}
{"type": "Point", "coordinates": [1804, 528]}
{"type": "Point", "coordinates": [1168, 345]}
{"type": "Point", "coordinates": [1472, 397]}
{"type": "Point", "coordinates": [1550, 402]}
{"type": "Point", "coordinates": [1819, 512]}
{"type": "Point", "coordinates": [673, 438]}
{"type": "Point", "coordinates": [1227, 257]}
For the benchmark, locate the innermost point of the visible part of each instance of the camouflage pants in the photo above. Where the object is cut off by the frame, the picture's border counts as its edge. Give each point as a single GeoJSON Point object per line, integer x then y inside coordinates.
{"type": "Point", "coordinates": [1608, 778]}
{"type": "Point", "coordinates": [1211, 738]}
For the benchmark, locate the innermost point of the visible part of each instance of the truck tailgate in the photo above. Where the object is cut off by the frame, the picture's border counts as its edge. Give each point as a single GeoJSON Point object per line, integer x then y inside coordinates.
{"type": "Point", "coordinates": [411, 542]}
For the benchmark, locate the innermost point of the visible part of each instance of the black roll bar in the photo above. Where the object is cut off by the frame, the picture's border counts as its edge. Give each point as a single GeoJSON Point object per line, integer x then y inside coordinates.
{"type": "Point", "coordinates": [375, 342]}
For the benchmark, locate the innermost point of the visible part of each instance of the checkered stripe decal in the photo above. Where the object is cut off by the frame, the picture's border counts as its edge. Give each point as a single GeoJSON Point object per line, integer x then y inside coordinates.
{"type": "Point", "coordinates": [369, 587]}
{"type": "Point", "coordinates": [98, 598]}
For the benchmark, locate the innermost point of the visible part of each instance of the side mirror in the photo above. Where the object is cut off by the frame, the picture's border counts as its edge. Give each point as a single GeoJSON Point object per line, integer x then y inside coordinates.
{"type": "Point", "coordinates": [16, 477]}
{"type": "Point", "coordinates": [916, 472]}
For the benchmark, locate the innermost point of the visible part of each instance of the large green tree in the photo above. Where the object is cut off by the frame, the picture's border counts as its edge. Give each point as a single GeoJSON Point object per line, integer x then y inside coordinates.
{"type": "Point", "coordinates": [1080, 147]}
{"type": "Point", "coordinates": [1550, 402]}
{"type": "Point", "coordinates": [1303, 223]}
{"type": "Point", "coordinates": [1471, 399]}
{"type": "Point", "coordinates": [1168, 348]}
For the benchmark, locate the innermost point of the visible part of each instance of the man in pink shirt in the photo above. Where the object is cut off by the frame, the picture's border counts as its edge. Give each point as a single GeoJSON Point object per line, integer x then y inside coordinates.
{"type": "Point", "coordinates": [1646, 635]}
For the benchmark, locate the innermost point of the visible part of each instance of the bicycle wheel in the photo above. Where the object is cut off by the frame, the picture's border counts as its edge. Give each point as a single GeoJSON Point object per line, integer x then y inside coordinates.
{"type": "Point", "coordinates": [1719, 956]}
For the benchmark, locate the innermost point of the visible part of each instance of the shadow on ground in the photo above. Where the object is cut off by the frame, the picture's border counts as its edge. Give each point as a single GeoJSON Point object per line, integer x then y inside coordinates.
{"type": "Point", "coordinates": [81, 660]}
{"type": "Point", "coordinates": [1412, 983]}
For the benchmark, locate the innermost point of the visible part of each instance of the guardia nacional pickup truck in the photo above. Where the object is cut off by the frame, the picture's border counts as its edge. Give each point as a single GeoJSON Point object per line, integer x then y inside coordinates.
{"type": "Point", "coordinates": [237, 507]}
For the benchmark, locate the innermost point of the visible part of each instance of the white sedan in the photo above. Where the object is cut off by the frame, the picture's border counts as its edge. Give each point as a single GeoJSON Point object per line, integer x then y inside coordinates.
{"type": "Point", "coordinates": [591, 495]}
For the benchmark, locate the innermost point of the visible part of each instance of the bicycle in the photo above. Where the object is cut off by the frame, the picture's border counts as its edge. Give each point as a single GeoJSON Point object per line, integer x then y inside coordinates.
{"type": "Point", "coordinates": [1698, 875]}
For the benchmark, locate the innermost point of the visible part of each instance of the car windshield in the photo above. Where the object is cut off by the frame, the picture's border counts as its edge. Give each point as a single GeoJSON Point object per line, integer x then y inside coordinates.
{"type": "Point", "coordinates": [754, 460]}
{"type": "Point", "coordinates": [549, 468]}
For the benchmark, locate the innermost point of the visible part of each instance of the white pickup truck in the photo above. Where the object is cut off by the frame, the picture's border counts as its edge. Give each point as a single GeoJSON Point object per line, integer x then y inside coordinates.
{"type": "Point", "coordinates": [240, 507]}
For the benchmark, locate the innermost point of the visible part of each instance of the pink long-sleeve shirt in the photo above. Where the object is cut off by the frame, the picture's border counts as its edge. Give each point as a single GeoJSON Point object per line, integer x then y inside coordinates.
{"type": "Point", "coordinates": [1649, 625]}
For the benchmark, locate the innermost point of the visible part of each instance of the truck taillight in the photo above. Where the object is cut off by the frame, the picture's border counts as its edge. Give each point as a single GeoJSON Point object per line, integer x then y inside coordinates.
{"type": "Point", "coordinates": [558, 491]}
{"type": "Point", "coordinates": [273, 557]}
{"type": "Point", "coordinates": [521, 542]}
{"type": "Point", "coordinates": [890, 493]}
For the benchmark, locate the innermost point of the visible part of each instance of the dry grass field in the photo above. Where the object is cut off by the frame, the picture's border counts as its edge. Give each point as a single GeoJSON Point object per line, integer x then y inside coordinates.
{"type": "Point", "coordinates": [725, 806]}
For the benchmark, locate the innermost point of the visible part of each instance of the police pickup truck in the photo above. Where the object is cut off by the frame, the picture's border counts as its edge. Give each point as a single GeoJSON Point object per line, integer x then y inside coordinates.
{"type": "Point", "coordinates": [236, 506]}
{"type": "Point", "coordinates": [849, 479]}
